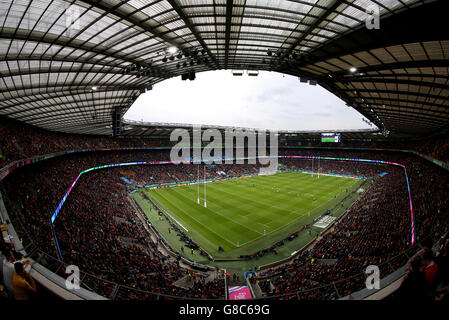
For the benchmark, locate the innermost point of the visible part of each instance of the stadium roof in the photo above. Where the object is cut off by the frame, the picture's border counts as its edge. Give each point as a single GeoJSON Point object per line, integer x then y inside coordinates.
{"type": "Point", "coordinates": [66, 65]}
{"type": "Point", "coordinates": [140, 129]}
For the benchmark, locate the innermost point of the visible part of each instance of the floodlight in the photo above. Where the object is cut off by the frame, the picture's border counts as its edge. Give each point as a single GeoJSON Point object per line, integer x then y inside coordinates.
{"type": "Point", "coordinates": [172, 50]}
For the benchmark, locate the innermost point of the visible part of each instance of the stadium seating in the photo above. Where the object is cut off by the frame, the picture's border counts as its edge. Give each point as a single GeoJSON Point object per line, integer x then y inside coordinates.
{"type": "Point", "coordinates": [97, 217]}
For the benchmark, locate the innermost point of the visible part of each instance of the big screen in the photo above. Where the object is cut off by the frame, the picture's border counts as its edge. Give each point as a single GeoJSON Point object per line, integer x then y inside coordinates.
{"type": "Point", "coordinates": [331, 137]}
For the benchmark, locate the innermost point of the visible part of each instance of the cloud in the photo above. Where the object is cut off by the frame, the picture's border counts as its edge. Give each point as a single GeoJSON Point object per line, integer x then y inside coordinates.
{"type": "Point", "coordinates": [269, 101]}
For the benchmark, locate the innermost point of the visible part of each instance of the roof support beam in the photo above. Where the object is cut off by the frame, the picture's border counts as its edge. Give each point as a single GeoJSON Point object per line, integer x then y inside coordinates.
{"type": "Point", "coordinates": [61, 114]}
{"type": "Point", "coordinates": [317, 22]}
{"type": "Point", "coordinates": [36, 36]}
{"type": "Point", "coordinates": [191, 27]}
{"type": "Point", "coordinates": [398, 81]}
{"type": "Point", "coordinates": [78, 88]}
{"type": "Point", "coordinates": [229, 8]}
{"type": "Point", "coordinates": [134, 21]}
{"type": "Point", "coordinates": [396, 29]}
{"type": "Point", "coordinates": [389, 101]}
{"type": "Point", "coordinates": [78, 103]}
{"type": "Point", "coordinates": [346, 74]}
{"type": "Point", "coordinates": [20, 99]}
{"type": "Point", "coordinates": [405, 93]}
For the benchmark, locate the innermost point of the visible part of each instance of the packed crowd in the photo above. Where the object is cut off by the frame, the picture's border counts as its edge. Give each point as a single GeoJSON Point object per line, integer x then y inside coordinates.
{"type": "Point", "coordinates": [437, 148]}
{"type": "Point", "coordinates": [427, 275]}
{"type": "Point", "coordinates": [23, 141]}
{"type": "Point", "coordinates": [15, 279]}
{"type": "Point", "coordinates": [365, 236]}
{"type": "Point", "coordinates": [20, 141]}
{"type": "Point", "coordinates": [98, 230]}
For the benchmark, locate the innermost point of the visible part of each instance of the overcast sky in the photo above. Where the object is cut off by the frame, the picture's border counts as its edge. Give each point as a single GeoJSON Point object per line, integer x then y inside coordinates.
{"type": "Point", "coordinates": [268, 101]}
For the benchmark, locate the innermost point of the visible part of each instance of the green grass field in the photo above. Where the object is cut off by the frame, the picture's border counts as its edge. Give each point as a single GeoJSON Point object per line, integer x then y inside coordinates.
{"type": "Point", "coordinates": [245, 215]}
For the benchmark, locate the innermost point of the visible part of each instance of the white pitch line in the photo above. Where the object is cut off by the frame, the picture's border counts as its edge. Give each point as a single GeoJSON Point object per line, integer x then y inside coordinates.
{"type": "Point", "coordinates": [229, 241]}
{"type": "Point", "coordinates": [283, 226]}
{"type": "Point", "coordinates": [246, 227]}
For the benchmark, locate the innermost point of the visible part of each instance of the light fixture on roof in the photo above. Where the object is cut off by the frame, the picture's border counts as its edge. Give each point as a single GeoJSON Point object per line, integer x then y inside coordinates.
{"type": "Point", "coordinates": [94, 88]}
{"type": "Point", "coordinates": [252, 73]}
{"type": "Point", "coordinates": [353, 69]}
{"type": "Point", "coordinates": [172, 50]}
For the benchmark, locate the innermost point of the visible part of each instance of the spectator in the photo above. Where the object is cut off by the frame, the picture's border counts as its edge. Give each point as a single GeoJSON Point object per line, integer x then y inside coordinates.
{"type": "Point", "coordinates": [414, 286]}
{"type": "Point", "coordinates": [430, 269]}
{"type": "Point", "coordinates": [23, 284]}
{"type": "Point", "coordinates": [95, 219]}
{"type": "Point", "coordinates": [427, 247]}
{"type": "Point", "coordinates": [442, 260]}
{"type": "Point", "coordinates": [8, 271]}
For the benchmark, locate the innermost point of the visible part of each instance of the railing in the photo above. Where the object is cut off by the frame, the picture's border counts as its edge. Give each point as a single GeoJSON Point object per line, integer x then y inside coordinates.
{"type": "Point", "coordinates": [91, 286]}
{"type": "Point", "coordinates": [111, 290]}
{"type": "Point", "coordinates": [103, 287]}
{"type": "Point", "coordinates": [354, 287]}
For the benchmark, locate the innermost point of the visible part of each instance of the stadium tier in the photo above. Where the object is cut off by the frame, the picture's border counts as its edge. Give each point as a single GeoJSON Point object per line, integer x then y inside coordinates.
{"type": "Point", "coordinates": [97, 206]}
{"type": "Point", "coordinates": [115, 223]}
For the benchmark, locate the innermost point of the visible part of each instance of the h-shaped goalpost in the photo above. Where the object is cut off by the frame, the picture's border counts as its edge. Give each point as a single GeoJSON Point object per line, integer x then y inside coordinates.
{"type": "Point", "coordinates": [198, 186]}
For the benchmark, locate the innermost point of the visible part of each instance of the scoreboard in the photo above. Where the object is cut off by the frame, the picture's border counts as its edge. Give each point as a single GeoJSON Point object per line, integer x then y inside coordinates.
{"type": "Point", "coordinates": [331, 137]}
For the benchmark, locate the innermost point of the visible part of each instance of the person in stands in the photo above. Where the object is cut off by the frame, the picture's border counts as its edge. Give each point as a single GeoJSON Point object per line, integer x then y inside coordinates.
{"type": "Point", "coordinates": [430, 269]}
{"type": "Point", "coordinates": [23, 284]}
{"type": "Point", "coordinates": [426, 247]}
{"type": "Point", "coordinates": [413, 287]}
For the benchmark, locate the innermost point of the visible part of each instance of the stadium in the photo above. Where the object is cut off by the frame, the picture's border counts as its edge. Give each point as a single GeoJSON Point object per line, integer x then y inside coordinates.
{"type": "Point", "coordinates": [95, 207]}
